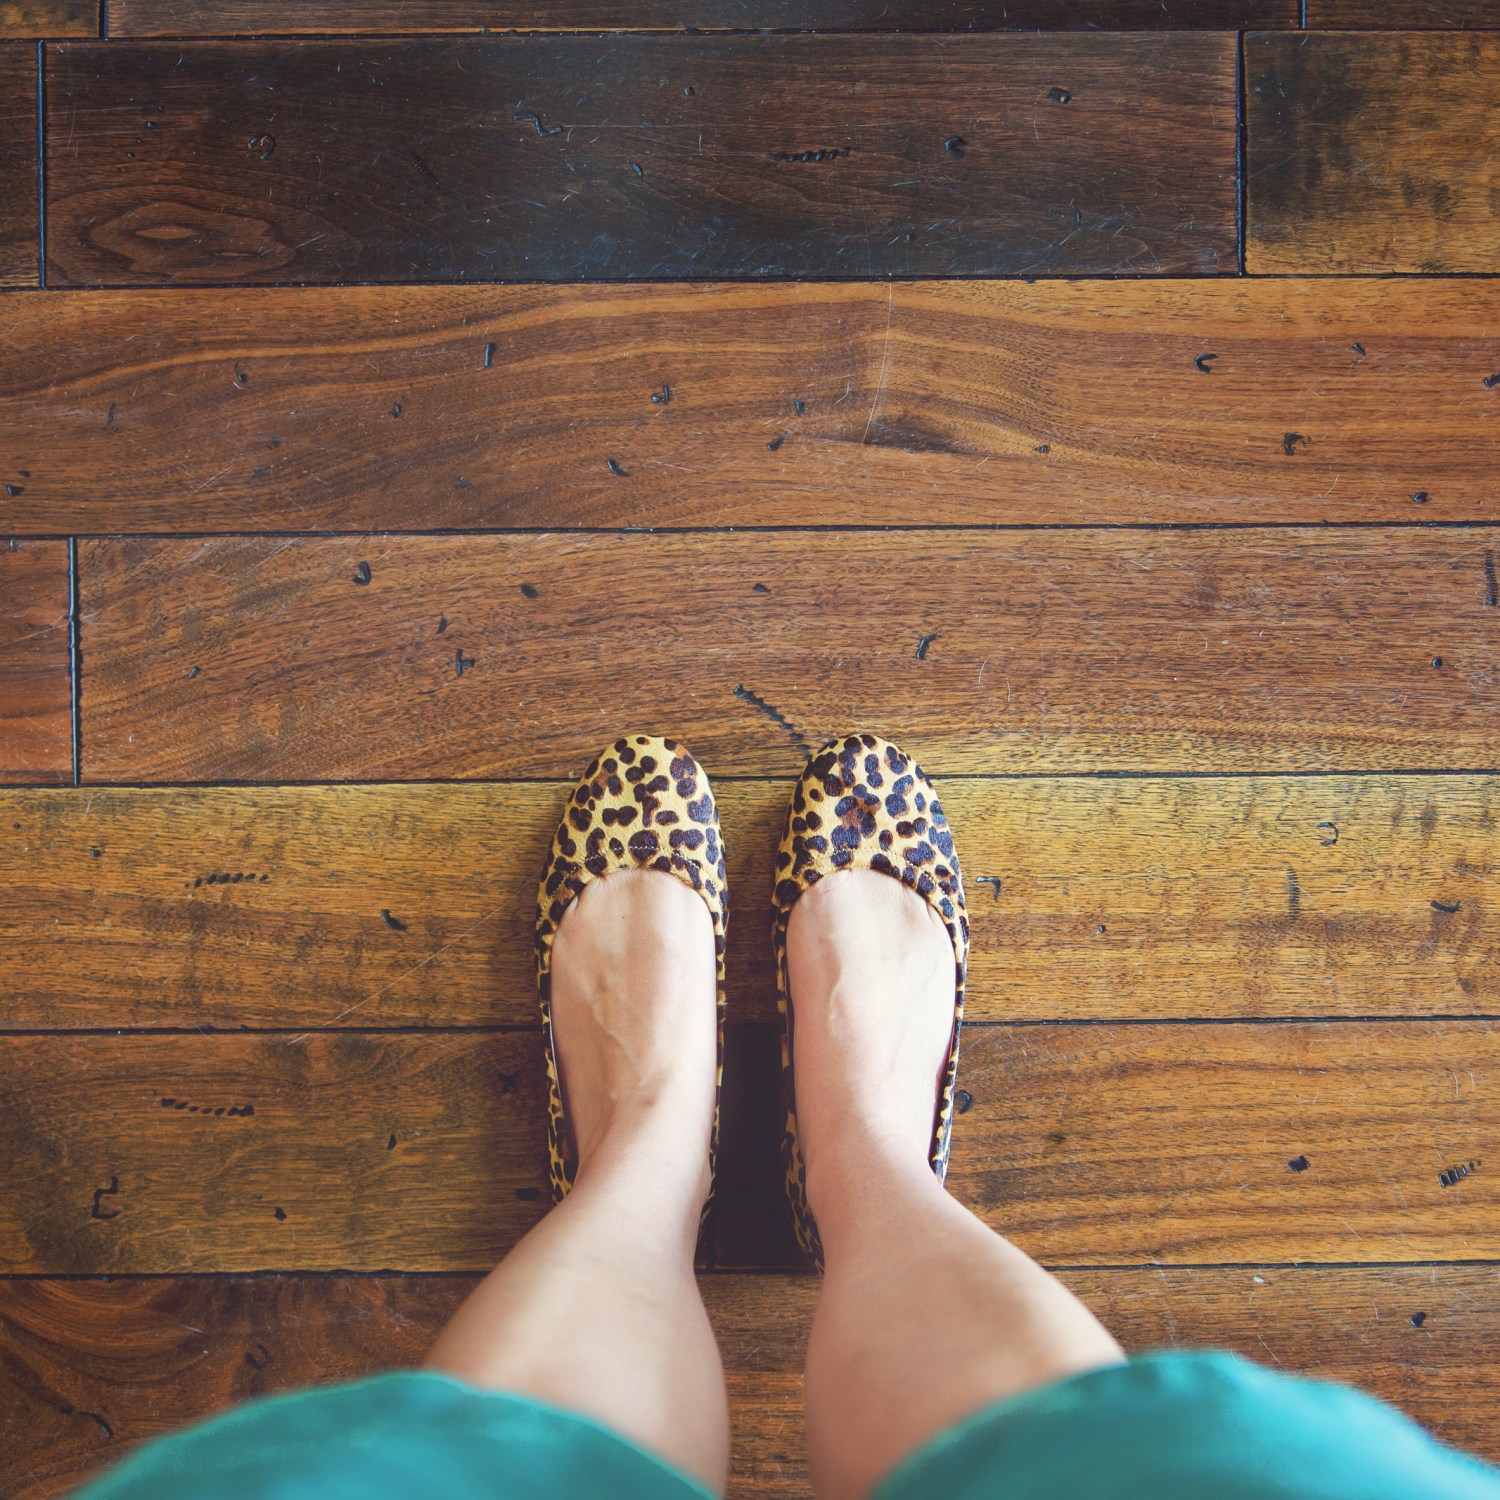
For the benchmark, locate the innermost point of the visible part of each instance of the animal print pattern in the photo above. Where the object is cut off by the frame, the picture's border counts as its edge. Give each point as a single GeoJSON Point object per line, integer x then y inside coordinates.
{"type": "Point", "coordinates": [643, 804]}
{"type": "Point", "coordinates": [861, 804]}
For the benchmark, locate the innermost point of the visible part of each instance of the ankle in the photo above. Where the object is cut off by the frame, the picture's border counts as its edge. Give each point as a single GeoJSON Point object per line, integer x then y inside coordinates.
{"type": "Point", "coordinates": [669, 1121]}
{"type": "Point", "coordinates": [862, 1163]}
{"type": "Point", "coordinates": [662, 1137]}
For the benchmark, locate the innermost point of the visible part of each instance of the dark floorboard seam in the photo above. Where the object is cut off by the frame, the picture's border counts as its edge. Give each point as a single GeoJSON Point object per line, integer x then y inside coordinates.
{"type": "Point", "coordinates": [737, 1028]}
{"type": "Point", "coordinates": [397, 533]}
{"type": "Point", "coordinates": [1145, 1267]}
{"type": "Point", "coordinates": [41, 166]}
{"type": "Point", "coordinates": [776, 280]}
{"type": "Point", "coordinates": [232, 783]}
{"type": "Point", "coordinates": [75, 661]}
{"type": "Point", "coordinates": [686, 35]}
{"type": "Point", "coordinates": [1242, 186]}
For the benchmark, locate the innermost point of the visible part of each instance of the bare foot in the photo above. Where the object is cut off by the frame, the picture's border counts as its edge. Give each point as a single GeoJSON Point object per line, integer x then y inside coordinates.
{"type": "Point", "coordinates": [633, 1016]}
{"type": "Point", "coordinates": [871, 968]}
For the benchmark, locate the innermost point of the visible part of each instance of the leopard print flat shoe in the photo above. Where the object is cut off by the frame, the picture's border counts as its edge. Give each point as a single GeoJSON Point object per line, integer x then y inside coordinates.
{"type": "Point", "coordinates": [861, 804]}
{"type": "Point", "coordinates": [643, 804]}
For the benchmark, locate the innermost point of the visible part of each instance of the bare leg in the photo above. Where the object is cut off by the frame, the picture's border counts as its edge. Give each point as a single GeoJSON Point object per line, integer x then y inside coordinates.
{"type": "Point", "coordinates": [597, 1309]}
{"type": "Point", "coordinates": [926, 1316]}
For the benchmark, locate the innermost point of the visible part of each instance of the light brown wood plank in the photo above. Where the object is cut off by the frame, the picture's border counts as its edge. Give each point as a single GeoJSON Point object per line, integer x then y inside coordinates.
{"type": "Point", "coordinates": [1102, 1144]}
{"type": "Point", "coordinates": [1391, 15]}
{"type": "Point", "coordinates": [36, 709]}
{"type": "Point", "coordinates": [945, 403]}
{"type": "Point", "coordinates": [251, 17]}
{"type": "Point", "coordinates": [49, 18]}
{"type": "Point", "coordinates": [1327, 193]}
{"type": "Point", "coordinates": [136, 1358]}
{"type": "Point", "coordinates": [644, 158]}
{"type": "Point", "coordinates": [1089, 1144]}
{"type": "Point", "coordinates": [1172, 1141]}
{"type": "Point", "coordinates": [412, 905]}
{"type": "Point", "coordinates": [266, 659]}
{"type": "Point", "coordinates": [20, 245]}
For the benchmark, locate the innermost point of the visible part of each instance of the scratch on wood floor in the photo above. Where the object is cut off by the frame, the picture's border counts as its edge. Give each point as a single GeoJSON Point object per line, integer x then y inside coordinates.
{"type": "Point", "coordinates": [885, 359]}
{"type": "Point", "coordinates": [405, 974]}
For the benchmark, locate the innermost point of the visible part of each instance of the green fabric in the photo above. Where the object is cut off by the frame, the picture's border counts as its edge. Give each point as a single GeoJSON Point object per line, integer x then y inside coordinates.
{"type": "Point", "coordinates": [407, 1436]}
{"type": "Point", "coordinates": [1164, 1427]}
{"type": "Point", "coordinates": [1189, 1427]}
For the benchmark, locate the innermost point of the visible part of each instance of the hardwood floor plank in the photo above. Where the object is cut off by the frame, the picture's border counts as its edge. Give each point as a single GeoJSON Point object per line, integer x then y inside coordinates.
{"type": "Point", "coordinates": [267, 659]}
{"type": "Point", "coordinates": [1146, 1169]}
{"type": "Point", "coordinates": [1393, 15]}
{"type": "Point", "coordinates": [98, 1367]}
{"type": "Point", "coordinates": [54, 18]}
{"type": "Point", "coordinates": [1090, 899]}
{"type": "Point", "coordinates": [1100, 1145]}
{"type": "Point", "coordinates": [20, 246]}
{"type": "Point", "coordinates": [36, 669]}
{"type": "Point", "coordinates": [252, 17]}
{"type": "Point", "coordinates": [1089, 1144]}
{"type": "Point", "coordinates": [298, 1170]}
{"type": "Point", "coordinates": [959, 403]}
{"type": "Point", "coordinates": [558, 159]}
{"type": "Point", "coordinates": [1327, 194]}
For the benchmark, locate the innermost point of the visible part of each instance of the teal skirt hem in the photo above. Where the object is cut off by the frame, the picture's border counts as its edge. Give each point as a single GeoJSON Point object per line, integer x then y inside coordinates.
{"type": "Point", "coordinates": [392, 1437]}
{"type": "Point", "coordinates": [1189, 1426]}
{"type": "Point", "coordinates": [1169, 1426]}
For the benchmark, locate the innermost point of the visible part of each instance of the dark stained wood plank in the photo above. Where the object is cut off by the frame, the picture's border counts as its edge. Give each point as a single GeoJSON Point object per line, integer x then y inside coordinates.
{"type": "Point", "coordinates": [94, 1368]}
{"type": "Point", "coordinates": [957, 403]}
{"type": "Point", "coordinates": [133, 1167]}
{"type": "Point", "coordinates": [1392, 15]}
{"type": "Point", "coordinates": [20, 247]}
{"type": "Point", "coordinates": [556, 159]}
{"type": "Point", "coordinates": [43, 18]}
{"type": "Point", "coordinates": [752, 1224]}
{"type": "Point", "coordinates": [252, 17]}
{"type": "Point", "coordinates": [36, 670]}
{"type": "Point", "coordinates": [1090, 1144]}
{"type": "Point", "coordinates": [1090, 899]}
{"type": "Point", "coordinates": [1329, 194]}
{"type": "Point", "coordinates": [1100, 1144]}
{"type": "Point", "coordinates": [1298, 649]}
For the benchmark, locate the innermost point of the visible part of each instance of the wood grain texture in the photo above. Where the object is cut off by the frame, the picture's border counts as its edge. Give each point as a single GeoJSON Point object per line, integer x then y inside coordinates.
{"type": "Point", "coordinates": [1134, 1144]}
{"type": "Point", "coordinates": [1392, 15]}
{"type": "Point", "coordinates": [20, 247]}
{"type": "Point", "coordinates": [1088, 1144]}
{"type": "Point", "coordinates": [44, 18]}
{"type": "Point", "coordinates": [94, 1368]}
{"type": "Point", "coordinates": [266, 659]}
{"type": "Point", "coordinates": [1326, 193]}
{"type": "Point", "coordinates": [554, 159]}
{"type": "Point", "coordinates": [959, 403]}
{"type": "Point", "coordinates": [252, 17]}
{"type": "Point", "coordinates": [412, 906]}
{"type": "Point", "coordinates": [36, 694]}
{"type": "Point", "coordinates": [297, 1170]}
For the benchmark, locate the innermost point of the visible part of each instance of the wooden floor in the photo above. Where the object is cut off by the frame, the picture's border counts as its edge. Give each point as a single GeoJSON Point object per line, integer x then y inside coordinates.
{"type": "Point", "coordinates": [1100, 396]}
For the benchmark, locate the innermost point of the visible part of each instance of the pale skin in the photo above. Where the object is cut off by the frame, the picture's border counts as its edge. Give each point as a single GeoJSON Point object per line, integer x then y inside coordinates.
{"type": "Point", "coordinates": [926, 1314]}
